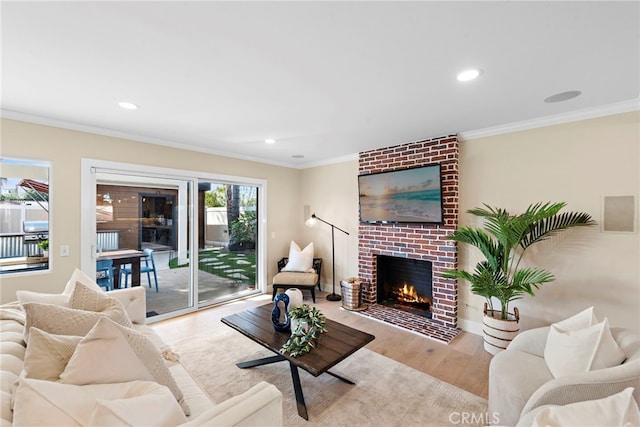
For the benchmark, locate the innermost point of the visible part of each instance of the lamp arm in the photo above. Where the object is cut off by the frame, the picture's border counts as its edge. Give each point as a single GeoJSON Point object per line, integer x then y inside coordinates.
{"type": "Point", "coordinates": [329, 224]}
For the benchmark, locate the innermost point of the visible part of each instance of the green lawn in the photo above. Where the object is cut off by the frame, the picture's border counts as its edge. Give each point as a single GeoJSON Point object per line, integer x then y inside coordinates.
{"type": "Point", "coordinates": [238, 266]}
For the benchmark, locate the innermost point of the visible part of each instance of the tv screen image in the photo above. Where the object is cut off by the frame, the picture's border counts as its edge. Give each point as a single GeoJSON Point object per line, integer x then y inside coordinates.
{"type": "Point", "coordinates": [407, 195]}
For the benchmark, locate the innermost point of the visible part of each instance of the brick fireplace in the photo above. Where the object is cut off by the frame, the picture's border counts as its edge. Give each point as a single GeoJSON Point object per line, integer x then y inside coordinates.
{"type": "Point", "coordinates": [415, 241]}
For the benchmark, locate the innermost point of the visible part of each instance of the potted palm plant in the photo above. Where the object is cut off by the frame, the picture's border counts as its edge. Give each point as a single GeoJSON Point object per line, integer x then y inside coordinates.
{"type": "Point", "coordinates": [503, 241]}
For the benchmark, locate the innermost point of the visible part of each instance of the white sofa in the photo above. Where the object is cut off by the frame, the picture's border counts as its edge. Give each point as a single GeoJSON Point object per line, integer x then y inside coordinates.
{"type": "Point", "coordinates": [259, 406]}
{"type": "Point", "coordinates": [520, 381]}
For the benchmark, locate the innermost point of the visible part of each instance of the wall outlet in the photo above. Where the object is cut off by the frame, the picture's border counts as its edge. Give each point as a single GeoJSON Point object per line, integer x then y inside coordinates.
{"type": "Point", "coordinates": [64, 250]}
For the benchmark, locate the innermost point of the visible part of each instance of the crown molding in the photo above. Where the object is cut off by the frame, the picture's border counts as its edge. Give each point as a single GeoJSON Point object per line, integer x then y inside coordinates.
{"type": "Point", "coordinates": [557, 119]}
{"type": "Point", "coordinates": [573, 116]}
{"type": "Point", "coordinates": [14, 115]}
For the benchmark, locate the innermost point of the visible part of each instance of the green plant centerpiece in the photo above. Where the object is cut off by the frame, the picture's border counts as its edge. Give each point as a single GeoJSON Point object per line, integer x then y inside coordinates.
{"type": "Point", "coordinates": [503, 242]}
{"type": "Point", "coordinates": [310, 323]}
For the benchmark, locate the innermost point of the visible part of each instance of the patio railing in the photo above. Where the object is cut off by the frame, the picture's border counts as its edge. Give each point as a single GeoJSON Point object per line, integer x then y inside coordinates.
{"type": "Point", "coordinates": [14, 246]}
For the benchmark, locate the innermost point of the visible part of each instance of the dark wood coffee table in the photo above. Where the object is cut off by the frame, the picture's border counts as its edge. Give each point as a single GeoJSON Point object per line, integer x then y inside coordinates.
{"type": "Point", "coordinates": [338, 343]}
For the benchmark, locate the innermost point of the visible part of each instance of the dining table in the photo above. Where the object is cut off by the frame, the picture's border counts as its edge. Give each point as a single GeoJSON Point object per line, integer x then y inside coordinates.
{"type": "Point", "coordinates": [122, 257]}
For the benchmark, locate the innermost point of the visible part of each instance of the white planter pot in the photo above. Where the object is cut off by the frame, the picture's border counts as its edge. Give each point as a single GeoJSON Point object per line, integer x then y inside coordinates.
{"type": "Point", "coordinates": [498, 333]}
{"type": "Point", "coordinates": [294, 325]}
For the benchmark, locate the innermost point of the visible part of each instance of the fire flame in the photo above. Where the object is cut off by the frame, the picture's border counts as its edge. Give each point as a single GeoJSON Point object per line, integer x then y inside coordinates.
{"type": "Point", "coordinates": [407, 293]}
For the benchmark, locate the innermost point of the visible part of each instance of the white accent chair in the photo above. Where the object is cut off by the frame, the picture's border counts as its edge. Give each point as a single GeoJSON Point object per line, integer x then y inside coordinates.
{"type": "Point", "coordinates": [519, 380]}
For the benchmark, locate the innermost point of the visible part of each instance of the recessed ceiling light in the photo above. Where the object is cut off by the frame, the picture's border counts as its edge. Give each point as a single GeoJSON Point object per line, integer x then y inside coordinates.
{"type": "Point", "coordinates": [269, 141]}
{"type": "Point", "coordinates": [298, 156]}
{"type": "Point", "coordinates": [563, 96]}
{"type": "Point", "coordinates": [128, 105]}
{"type": "Point", "coordinates": [468, 75]}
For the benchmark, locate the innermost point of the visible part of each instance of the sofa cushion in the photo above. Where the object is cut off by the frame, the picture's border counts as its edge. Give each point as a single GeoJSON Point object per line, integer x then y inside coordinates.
{"type": "Point", "coordinates": [112, 353]}
{"type": "Point", "coordinates": [619, 409]}
{"type": "Point", "coordinates": [300, 260]}
{"type": "Point", "coordinates": [52, 403]}
{"type": "Point", "coordinates": [48, 354]}
{"type": "Point", "coordinates": [581, 344]}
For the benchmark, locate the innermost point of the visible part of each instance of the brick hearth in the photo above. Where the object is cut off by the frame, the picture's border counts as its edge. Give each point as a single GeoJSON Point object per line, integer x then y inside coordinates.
{"type": "Point", "coordinates": [417, 241]}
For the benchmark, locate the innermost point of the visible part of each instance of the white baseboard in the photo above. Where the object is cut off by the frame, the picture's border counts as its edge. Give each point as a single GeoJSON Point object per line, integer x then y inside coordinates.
{"type": "Point", "coordinates": [470, 326]}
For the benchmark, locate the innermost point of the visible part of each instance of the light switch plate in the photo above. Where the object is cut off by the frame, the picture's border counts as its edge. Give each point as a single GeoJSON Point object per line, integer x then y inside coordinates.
{"type": "Point", "coordinates": [64, 250]}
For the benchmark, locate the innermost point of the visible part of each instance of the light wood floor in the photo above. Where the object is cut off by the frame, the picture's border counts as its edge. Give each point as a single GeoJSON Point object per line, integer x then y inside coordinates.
{"type": "Point", "coordinates": [463, 363]}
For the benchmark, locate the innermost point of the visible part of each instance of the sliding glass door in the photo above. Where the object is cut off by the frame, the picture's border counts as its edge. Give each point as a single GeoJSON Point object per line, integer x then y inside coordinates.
{"type": "Point", "coordinates": [227, 241]}
{"type": "Point", "coordinates": [146, 216]}
{"type": "Point", "coordinates": [197, 239]}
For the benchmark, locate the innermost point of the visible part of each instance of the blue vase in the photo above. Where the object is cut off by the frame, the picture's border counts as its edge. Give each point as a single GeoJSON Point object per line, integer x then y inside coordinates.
{"type": "Point", "coordinates": [280, 313]}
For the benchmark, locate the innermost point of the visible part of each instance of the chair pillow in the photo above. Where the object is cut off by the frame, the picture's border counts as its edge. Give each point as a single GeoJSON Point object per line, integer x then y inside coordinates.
{"type": "Point", "coordinates": [48, 354]}
{"type": "Point", "coordinates": [300, 260]}
{"type": "Point", "coordinates": [619, 409]}
{"type": "Point", "coordinates": [576, 346]}
{"type": "Point", "coordinates": [112, 353]}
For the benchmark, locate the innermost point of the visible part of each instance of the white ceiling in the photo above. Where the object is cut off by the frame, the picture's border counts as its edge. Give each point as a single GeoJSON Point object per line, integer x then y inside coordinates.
{"type": "Point", "coordinates": [325, 79]}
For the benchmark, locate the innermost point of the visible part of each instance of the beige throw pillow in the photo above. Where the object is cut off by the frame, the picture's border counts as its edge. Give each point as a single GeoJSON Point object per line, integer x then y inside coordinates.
{"type": "Point", "coordinates": [112, 353]}
{"type": "Point", "coordinates": [59, 299]}
{"type": "Point", "coordinates": [87, 306]}
{"type": "Point", "coordinates": [48, 354]}
{"type": "Point", "coordinates": [579, 345]}
{"type": "Point", "coordinates": [29, 296]}
{"type": "Point", "coordinates": [80, 276]}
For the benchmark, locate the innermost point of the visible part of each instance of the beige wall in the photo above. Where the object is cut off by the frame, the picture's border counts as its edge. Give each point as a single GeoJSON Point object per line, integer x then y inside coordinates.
{"type": "Point", "coordinates": [577, 162]}
{"type": "Point", "coordinates": [64, 148]}
{"type": "Point", "coordinates": [331, 192]}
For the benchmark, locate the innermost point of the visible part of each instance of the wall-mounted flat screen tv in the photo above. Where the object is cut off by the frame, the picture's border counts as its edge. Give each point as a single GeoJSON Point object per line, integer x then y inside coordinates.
{"type": "Point", "coordinates": [407, 195]}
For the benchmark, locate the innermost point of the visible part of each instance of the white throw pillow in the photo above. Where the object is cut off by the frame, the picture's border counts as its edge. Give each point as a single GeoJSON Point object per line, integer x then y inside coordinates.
{"type": "Point", "coordinates": [112, 353]}
{"type": "Point", "coordinates": [300, 260]}
{"type": "Point", "coordinates": [29, 296]}
{"type": "Point", "coordinates": [87, 306]}
{"type": "Point", "coordinates": [80, 276]}
{"type": "Point", "coordinates": [50, 403]}
{"type": "Point", "coordinates": [48, 354]}
{"type": "Point", "coordinates": [617, 410]}
{"type": "Point", "coordinates": [59, 299]}
{"type": "Point", "coordinates": [578, 345]}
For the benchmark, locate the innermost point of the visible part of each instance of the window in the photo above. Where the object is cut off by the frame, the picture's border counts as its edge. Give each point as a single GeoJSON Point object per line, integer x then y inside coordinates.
{"type": "Point", "coordinates": [24, 219]}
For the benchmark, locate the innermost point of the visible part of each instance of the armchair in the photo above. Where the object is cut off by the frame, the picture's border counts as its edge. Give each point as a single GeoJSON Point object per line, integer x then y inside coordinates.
{"type": "Point", "coordinates": [519, 380]}
{"type": "Point", "coordinates": [293, 279]}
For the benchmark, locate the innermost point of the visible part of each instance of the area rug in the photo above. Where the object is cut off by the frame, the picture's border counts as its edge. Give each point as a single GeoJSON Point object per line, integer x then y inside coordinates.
{"type": "Point", "coordinates": [387, 393]}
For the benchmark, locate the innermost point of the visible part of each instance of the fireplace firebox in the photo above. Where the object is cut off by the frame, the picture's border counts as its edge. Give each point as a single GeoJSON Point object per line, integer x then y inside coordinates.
{"type": "Point", "coordinates": [405, 284]}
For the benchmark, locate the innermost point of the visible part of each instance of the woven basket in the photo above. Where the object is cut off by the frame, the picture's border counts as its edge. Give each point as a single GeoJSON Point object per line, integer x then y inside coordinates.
{"type": "Point", "coordinates": [351, 295]}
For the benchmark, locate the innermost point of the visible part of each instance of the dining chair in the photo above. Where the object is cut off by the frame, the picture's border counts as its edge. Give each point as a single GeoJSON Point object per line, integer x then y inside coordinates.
{"type": "Point", "coordinates": [104, 274]}
{"type": "Point", "coordinates": [148, 267]}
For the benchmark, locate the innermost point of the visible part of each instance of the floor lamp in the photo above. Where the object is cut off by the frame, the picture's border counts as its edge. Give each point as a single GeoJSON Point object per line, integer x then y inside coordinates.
{"type": "Point", "coordinates": [310, 222]}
